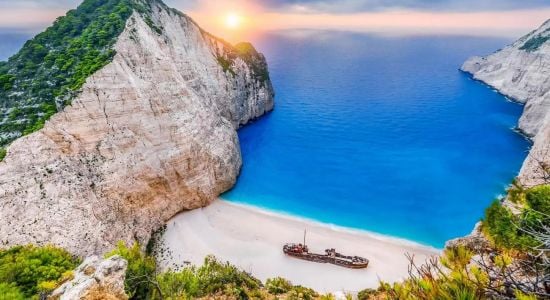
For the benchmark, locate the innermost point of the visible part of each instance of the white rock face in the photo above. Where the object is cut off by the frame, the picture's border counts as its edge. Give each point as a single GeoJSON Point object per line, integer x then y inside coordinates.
{"type": "Point", "coordinates": [523, 75]}
{"type": "Point", "coordinates": [151, 134]}
{"type": "Point", "coordinates": [95, 279]}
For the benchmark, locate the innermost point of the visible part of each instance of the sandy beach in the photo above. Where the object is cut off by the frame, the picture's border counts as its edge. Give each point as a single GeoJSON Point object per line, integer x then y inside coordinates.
{"type": "Point", "coordinates": [252, 239]}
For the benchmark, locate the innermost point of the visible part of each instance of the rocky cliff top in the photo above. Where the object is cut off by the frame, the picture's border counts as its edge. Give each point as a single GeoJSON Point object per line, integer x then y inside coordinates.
{"type": "Point", "coordinates": [147, 135]}
{"type": "Point", "coordinates": [95, 278]}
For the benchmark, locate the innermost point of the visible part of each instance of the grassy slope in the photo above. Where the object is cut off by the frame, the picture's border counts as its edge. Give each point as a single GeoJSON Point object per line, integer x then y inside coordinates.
{"type": "Point", "coordinates": [44, 76]}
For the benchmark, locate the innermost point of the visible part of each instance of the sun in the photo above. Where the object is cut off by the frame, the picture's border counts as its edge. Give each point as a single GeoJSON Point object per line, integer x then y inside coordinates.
{"type": "Point", "coordinates": [233, 20]}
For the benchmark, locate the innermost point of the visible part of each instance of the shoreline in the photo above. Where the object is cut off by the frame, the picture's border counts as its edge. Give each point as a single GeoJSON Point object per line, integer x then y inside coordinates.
{"type": "Point", "coordinates": [252, 238]}
{"type": "Point", "coordinates": [335, 227]}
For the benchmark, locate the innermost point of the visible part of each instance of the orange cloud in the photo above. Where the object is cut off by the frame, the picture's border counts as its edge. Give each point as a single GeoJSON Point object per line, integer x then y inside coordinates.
{"type": "Point", "coordinates": [212, 16]}
{"type": "Point", "coordinates": [28, 18]}
{"type": "Point", "coordinates": [500, 23]}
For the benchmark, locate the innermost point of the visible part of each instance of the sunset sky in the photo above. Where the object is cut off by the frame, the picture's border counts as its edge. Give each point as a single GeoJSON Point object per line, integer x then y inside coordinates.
{"type": "Point", "coordinates": [234, 19]}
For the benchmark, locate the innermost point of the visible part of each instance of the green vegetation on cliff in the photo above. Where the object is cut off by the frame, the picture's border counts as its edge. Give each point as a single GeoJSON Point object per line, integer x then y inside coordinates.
{"type": "Point", "coordinates": [249, 55]}
{"type": "Point", "coordinates": [514, 230]}
{"type": "Point", "coordinates": [535, 42]}
{"type": "Point", "coordinates": [50, 68]}
{"type": "Point", "coordinates": [28, 271]}
{"type": "Point", "coordinates": [47, 73]}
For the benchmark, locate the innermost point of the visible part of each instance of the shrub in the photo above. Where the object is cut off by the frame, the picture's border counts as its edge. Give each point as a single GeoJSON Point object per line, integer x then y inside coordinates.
{"type": "Point", "coordinates": [499, 224]}
{"type": "Point", "coordinates": [538, 199]}
{"type": "Point", "coordinates": [301, 293]}
{"type": "Point", "coordinates": [278, 285]}
{"type": "Point", "coordinates": [433, 281]}
{"type": "Point", "coordinates": [34, 269]}
{"type": "Point", "coordinates": [3, 153]}
{"type": "Point", "coordinates": [215, 277]}
{"type": "Point", "coordinates": [140, 275]}
{"type": "Point", "coordinates": [212, 278]}
{"type": "Point", "coordinates": [367, 294]}
{"type": "Point", "coordinates": [505, 228]}
{"type": "Point", "coordinates": [10, 292]}
{"type": "Point", "coordinates": [178, 285]}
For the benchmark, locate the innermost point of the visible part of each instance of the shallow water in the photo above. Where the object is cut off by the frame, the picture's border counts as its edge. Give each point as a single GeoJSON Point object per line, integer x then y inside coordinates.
{"type": "Point", "coordinates": [380, 133]}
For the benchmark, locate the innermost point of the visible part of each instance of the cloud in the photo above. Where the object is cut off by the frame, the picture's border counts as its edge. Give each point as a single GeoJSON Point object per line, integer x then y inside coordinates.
{"type": "Point", "coordinates": [511, 24]}
{"type": "Point", "coordinates": [39, 4]}
{"type": "Point", "coordinates": [468, 17]}
{"type": "Point", "coordinates": [355, 6]}
{"type": "Point", "coordinates": [317, 6]}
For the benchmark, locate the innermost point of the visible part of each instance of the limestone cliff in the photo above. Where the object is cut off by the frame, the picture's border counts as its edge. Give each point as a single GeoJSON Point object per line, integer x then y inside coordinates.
{"type": "Point", "coordinates": [521, 71]}
{"type": "Point", "coordinates": [150, 134]}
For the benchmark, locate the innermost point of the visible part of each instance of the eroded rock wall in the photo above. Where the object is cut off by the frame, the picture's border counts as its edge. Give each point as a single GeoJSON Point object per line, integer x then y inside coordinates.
{"type": "Point", "coordinates": [151, 134]}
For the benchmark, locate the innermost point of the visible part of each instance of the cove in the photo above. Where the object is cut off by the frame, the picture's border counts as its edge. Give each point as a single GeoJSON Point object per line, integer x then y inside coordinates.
{"type": "Point", "coordinates": [378, 133]}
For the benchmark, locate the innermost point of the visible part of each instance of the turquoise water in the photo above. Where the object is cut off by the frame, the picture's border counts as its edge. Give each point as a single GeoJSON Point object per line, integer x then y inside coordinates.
{"type": "Point", "coordinates": [379, 133]}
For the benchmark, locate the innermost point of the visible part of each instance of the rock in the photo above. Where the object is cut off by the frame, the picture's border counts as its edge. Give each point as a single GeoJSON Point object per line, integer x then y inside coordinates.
{"type": "Point", "coordinates": [521, 71]}
{"type": "Point", "coordinates": [151, 134]}
{"type": "Point", "coordinates": [95, 279]}
{"type": "Point", "coordinates": [475, 241]}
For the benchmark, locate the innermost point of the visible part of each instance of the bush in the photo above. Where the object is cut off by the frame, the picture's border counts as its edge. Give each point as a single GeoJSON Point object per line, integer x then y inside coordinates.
{"type": "Point", "coordinates": [10, 292]}
{"type": "Point", "coordinates": [215, 277]}
{"type": "Point", "coordinates": [538, 199]}
{"type": "Point", "coordinates": [505, 228]}
{"type": "Point", "coordinates": [301, 293]}
{"type": "Point", "coordinates": [278, 285]}
{"type": "Point", "coordinates": [140, 275]}
{"type": "Point", "coordinates": [367, 294]}
{"type": "Point", "coordinates": [435, 282]}
{"type": "Point", "coordinates": [34, 269]}
{"type": "Point", "coordinates": [178, 285]}
{"type": "Point", "coordinates": [212, 278]}
{"type": "Point", "coordinates": [3, 153]}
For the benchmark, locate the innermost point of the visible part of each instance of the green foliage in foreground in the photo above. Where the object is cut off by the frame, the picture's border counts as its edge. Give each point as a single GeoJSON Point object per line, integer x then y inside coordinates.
{"type": "Point", "coordinates": [505, 229]}
{"type": "Point", "coordinates": [141, 270]}
{"type": "Point", "coordinates": [212, 279]}
{"type": "Point", "coordinates": [29, 270]}
{"type": "Point", "coordinates": [510, 230]}
{"type": "Point", "coordinates": [538, 199]}
{"type": "Point", "coordinates": [10, 292]}
{"type": "Point", "coordinates": [278, 285]}
{"type": "Point", "coordinates": [449, 278]}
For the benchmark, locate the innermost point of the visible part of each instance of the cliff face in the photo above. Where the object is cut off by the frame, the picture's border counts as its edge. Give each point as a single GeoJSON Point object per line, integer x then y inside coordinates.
{"type": "Point", "coordinates": [521, 71]}
{"type": "Point", "coordinates": [150, 134]}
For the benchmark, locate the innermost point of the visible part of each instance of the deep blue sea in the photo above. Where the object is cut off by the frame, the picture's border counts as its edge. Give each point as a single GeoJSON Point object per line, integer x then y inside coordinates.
{"type": "Point", "coordinates": [376, 133]}
{"type": "Point", "coordinates": [379, 133]}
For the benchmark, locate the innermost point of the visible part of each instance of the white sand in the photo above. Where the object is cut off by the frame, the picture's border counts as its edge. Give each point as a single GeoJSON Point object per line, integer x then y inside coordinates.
{"type": "Point", "coordinates": [252, 239]}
